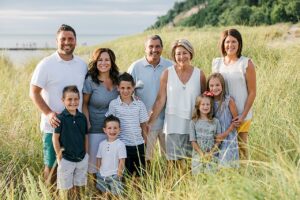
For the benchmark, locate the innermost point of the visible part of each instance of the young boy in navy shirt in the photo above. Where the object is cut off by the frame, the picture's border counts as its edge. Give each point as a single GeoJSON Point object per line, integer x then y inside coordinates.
{"type": "Point", "coordinates": [70, 141]}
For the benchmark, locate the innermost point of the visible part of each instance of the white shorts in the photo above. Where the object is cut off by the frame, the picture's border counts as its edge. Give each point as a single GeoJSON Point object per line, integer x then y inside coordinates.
{"type": "Point", "coordinates": [94, 141]}
{"type": "Point", "coordinates": [71, 174]}
{"type": "Point", "coordinates": [151, 142]}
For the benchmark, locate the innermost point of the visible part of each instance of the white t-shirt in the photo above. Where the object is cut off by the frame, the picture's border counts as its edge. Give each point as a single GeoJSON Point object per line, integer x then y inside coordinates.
{"type": "Point", "coordinates": [52, 74]}
{"type": "Point", "coordinates": [110, 153]}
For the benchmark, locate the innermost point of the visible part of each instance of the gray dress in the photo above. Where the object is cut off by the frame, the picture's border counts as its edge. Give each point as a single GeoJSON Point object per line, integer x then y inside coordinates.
{"type": "Point", "coordinates": [204, 132]}
{"type": "Point", "coordinates": [228, 154]}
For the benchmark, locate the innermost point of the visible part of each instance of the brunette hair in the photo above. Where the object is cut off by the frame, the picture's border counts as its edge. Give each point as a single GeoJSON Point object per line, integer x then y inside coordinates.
{"type": "Point", "coordinates": [70, 88]}
{"type": "Point", "coordinates": [234, 33]}
{"type": "Point", "coordinates": [126, 77]}
{"type": "Point", "coordinates": [111, 118]}
{"type": "Point", "coordinates": [93, 70]}
{"type": "Point", "coordinates": [155, 37]}
{"type": "Point", "coordinates": [65, 27]}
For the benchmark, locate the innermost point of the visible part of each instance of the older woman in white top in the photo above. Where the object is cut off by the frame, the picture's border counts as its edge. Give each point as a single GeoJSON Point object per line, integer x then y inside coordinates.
{"type": "Point", "coordinates": [240, 78]}
{"type": "Point", "coordinates": [180, 84]}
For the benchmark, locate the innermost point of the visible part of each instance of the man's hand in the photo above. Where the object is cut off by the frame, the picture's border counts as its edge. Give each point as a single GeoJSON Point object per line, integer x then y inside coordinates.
{"type": "Point", "coordinates": [53, 120]}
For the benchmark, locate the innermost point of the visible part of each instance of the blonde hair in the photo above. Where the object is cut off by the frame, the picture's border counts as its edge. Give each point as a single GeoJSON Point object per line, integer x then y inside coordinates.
{"type": "Point", "coordinates": [185, 44]}
{"type": "Point", "coordinates": [222, 81]}
{"type": "Point", "coordinates": [196, 112]}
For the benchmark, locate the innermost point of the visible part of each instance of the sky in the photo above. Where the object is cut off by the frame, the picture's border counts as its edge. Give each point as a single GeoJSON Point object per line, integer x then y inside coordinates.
{"type": "Point", "coordinates": [111, 17]}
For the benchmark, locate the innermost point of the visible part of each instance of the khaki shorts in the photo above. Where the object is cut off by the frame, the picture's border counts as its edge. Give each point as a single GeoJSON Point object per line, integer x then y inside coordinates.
{"type": "Point", "coordinates": [245, 127]}
{"type": "Point", "coordinates": [151, 143]}
{"type": "Point", "coordinates": [71, 174]}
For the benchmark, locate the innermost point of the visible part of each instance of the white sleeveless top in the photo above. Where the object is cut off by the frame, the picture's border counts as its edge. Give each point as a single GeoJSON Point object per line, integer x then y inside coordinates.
{"type": "Point", "coordinates": [235, 81]}
{"type": "Point", "coordinates": [180, 101]}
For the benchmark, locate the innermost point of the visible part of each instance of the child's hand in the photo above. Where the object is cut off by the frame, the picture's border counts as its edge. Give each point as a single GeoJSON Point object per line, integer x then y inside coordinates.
{"type": "Point", "coordinates": [208, 157]}
{"type": "Point", "coordinates": [205, 158]}
{"type": "Point", "coordinates": [59, 157]}
{"type": "Point", "coordinates": [201, 154]}
{"type": "Point", "coordinates": [219, 138]}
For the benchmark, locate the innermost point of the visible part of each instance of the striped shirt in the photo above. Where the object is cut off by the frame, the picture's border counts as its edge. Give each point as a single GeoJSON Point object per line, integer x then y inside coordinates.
{"type": "Point", "coordinates": [131, 116]}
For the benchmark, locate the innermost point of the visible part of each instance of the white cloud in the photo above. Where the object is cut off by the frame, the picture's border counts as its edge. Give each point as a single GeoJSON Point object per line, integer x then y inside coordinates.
{"type": "Point", "coordinates": [33, 14]}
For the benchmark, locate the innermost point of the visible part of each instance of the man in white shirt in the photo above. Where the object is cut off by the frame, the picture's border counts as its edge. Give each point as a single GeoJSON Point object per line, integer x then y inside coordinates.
{"type": "Point", "coordinates": [51, 75]}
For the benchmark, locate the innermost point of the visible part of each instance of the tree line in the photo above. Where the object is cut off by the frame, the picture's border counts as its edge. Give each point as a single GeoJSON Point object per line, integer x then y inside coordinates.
{"type": "Point", "coordinates": [232, 12]}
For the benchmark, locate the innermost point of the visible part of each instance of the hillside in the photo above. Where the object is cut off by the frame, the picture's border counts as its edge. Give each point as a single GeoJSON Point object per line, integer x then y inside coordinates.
{"type": "Point", "coordinates": [272, 171]}
{"type": "Point", "coordinates": [201, 13]}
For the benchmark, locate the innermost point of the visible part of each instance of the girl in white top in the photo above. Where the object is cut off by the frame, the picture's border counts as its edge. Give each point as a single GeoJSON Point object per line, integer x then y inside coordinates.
{"type": "Point", "coordinates": [179, 86]}
{"type": "Point", "coordinates": [240, 78]}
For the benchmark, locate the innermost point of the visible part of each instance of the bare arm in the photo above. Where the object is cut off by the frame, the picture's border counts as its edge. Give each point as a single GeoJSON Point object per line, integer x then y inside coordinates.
{"type": "Point", "coordinates": [144, 131]}
{"type": "Point", "coordinates": [196, 147]}
{"type": "Point", "coordinates": [202, 81]}
{"type": "Point", "coordinates": [56, 145]}
{"type": "Point", "coordinates": [36, 97]}
{"type": "Point", "coordinates": [85, 110]}
{"type": "Point", "coordinates": [121, 167]}
{"type": "Point", "coordinates": [98, 164]}
{"type": "Point", "coordinates": [251, 86]}
{"type": "Point", "coordinates": [86, 143]}
{"type": "Point", "coordinates": [161, 98]}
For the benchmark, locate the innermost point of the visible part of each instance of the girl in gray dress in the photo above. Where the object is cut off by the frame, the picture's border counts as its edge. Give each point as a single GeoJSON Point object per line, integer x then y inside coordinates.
{"type": "Point", "coordinates": [203, 130]}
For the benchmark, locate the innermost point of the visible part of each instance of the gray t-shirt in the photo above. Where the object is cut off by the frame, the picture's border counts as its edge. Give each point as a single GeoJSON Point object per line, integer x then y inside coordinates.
{"type": "Point", "coordinates": [98, 104]}
{"type": "Point", "coordinates": [204, 133]}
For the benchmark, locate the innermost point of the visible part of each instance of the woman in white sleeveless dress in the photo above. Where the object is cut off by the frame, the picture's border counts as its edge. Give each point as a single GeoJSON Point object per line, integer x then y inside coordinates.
{"type": "Point", "coordinates": [180, 84]}
{"type": "Point", "coordinates": [239, 74]}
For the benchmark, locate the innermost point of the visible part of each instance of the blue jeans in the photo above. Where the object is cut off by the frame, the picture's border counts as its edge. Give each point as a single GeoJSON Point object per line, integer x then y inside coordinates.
{"type": "Point", "coordinates": [112, 184]}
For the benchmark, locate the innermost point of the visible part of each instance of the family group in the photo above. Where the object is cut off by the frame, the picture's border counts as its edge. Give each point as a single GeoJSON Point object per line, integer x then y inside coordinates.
{"type": "Point", "coordinates": [98, 120]}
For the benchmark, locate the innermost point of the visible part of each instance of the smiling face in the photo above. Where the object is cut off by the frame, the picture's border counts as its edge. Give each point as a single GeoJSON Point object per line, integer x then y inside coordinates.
{"type": "Point", "coordinates": [126, 90]}
{"type": "Point", "coordinates": [66, 42]}
{"type": "Point", "coordinates": [182, 56]}
{"type": "Point", "coordinates": [153, 50]}
{"type": "Point", "coordinates": [104, 62]}
{"type": "Point", "coordinates": [205, 107]}
{"type": "Point", "coordinates": [112, 130]}
{"type": "Point", "coordinates": [71, 101]}
{"type": "Point", "coordinates": [215, 87]}
{"type": "Point", "coordinates": [231, 46]}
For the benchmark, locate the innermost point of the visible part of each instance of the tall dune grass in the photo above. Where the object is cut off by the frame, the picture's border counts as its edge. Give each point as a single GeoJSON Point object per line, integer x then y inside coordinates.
{"type": "Point", "coordinates": [273, 171]}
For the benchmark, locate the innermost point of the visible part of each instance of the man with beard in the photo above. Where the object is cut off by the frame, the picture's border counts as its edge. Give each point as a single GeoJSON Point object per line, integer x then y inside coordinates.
{"type": "Point", "coordinates": [146, 73]}
{"type": "Point", "coordinates": [50, 76]}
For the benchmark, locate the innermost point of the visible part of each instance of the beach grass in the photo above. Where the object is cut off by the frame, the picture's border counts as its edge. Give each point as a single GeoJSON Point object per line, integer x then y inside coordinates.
{"type": "Point", "coordinates": [273, 171]}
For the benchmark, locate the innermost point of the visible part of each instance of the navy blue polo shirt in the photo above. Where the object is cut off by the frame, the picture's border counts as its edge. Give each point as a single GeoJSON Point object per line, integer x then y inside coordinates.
{"type": "Point", "coordinates": [72, 130]}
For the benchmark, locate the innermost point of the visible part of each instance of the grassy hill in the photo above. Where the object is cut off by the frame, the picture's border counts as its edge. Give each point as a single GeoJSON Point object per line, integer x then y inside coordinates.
{"type": "Point", "coordinates": [273, 172]}
{"type": "Point", "coordinates": [201, 13]}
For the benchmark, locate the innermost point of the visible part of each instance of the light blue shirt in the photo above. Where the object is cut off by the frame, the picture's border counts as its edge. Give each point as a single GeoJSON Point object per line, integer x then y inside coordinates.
{"type": "Point", "coordinates": [147, 80]}
{"type": "Point", "coordinates": [131, 116]}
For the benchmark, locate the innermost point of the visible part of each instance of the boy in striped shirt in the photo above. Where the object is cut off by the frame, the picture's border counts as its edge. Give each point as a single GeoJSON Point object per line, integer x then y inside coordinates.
{"type": "Point", "coordinates": [133, 116]}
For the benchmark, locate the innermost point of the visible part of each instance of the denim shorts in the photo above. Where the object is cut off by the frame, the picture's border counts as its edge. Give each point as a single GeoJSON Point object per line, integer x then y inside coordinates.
{"type": "Point", "coordinates": [48, 149]}
{"type": "Point", "coordinates": [112, 184]}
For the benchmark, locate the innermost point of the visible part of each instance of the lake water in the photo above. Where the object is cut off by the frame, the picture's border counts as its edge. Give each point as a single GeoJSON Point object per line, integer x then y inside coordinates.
{"type": "Point", "coordinates": [20, 57]}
